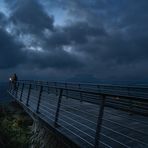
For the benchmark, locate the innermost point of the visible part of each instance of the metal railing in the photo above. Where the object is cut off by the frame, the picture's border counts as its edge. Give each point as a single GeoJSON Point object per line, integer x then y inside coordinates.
{"type": "Point", "coordinates": [89, 115]}
{"type": "Point", "coordinates": [112, 90]}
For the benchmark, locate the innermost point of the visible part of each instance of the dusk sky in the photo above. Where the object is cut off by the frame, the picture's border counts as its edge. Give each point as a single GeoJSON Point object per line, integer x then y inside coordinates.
{"type": "Point", "coordinates": [62, 39]}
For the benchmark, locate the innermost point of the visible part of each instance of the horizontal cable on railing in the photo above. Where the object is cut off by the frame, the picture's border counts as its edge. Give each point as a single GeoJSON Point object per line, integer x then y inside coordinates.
{"type": "Point", "coordinates": [105, 144]}
{"type": "Point", "coordinates": [66, 128]}
{"type": "Point", "coordinates": [52, 117]}
{"type": "Point", "coordinates": [119, 133]}
{"type": "Point", "coordinates": [123, 116]}
{"type": "Point", "coordinates": [78, 130]}
{"type": "Point", "coordinates": [94, 131]}
{"type": "Point", "coordinates": [124, 126]}
{"type": "Point", "coordinates": [73, 114]}
{"type": "Point", "coordinates": [77, 110]}
{"type": "Point", "coordinates": [115, 140]}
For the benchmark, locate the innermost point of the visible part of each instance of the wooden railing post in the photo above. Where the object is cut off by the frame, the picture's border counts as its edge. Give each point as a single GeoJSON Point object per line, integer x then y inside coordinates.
{"type": "Point", "coordinates": [22, 92]}
{"type": "Point", "coordinates": [39, 99]}
{"type": "Point", "coordinates": [28, 96]}
{"type": "Point", "coordinates": [58, 107]}
{"type": "Point", "coordinates": [99, 121]}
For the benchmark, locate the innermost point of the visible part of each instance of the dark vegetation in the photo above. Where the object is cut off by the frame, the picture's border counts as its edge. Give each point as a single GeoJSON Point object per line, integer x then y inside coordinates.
{"type": "Point", "coordinates": [15, 126]}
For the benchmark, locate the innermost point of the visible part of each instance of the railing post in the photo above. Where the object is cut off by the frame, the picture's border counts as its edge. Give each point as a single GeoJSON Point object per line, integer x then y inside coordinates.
{"type": "Point", "coordinates": [81, 97]}
{"type": "Point", "coordinates": [29, 91]}
{"type": "Point", "coordinates": [99, 121]}
{"type": "Point", "coordinates": [22, 92]}
{"type": "Point", "coordinates": [58, 107]}
{"type": "Point", "coordinates": [39, 100]}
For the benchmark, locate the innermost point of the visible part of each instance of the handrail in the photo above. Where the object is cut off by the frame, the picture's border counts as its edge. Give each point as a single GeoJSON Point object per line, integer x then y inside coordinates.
{"type": "Point", "coordinates": [93, 92]}
{"type": "Point", "coordinates": [90, 84]}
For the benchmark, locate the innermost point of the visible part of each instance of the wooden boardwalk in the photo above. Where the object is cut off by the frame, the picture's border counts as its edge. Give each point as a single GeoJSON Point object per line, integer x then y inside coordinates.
{"type": "Point", "coordinates": [77, 119]}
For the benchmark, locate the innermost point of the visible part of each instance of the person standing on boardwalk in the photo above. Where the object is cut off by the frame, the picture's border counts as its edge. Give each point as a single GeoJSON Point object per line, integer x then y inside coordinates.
{"type": "Point", "coordinates": [14, 80]}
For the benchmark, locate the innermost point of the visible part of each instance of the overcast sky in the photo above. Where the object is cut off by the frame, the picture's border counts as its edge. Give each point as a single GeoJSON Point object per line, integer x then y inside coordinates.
{"type": "Point", "coordinates": [60, 39]}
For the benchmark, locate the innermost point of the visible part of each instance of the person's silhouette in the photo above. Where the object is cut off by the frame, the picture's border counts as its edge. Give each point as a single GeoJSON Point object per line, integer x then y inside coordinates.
{"type": "Point", "coordinates": [14, 80]}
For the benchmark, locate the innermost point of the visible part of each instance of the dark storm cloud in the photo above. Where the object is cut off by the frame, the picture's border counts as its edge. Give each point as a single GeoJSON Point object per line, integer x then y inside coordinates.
{"type": "Point", "coordinates": [3, 20]}
{"type": "Point", "coordinates": [31, 17]}
{"type": "Point", "coordinates": [79, 32]}
{"type": "Point", "coordinates": [57, 60]}
{"type": "Point", "coordinates": [106, 38]}
{"type": "Point", "coordinates": [10, 51]}
{"type": "Point", "coordinates": [125, 46]}
{"type": "Point", "coordinates": [75, 33]}
{"type": "Point", "coordinates": [11, 54]}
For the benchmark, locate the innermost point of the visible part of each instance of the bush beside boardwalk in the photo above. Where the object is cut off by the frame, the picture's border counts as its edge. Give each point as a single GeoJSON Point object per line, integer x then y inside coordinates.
{"type": "Point", "coordinates": [14, 126]}
{"type": "Point", "coordinates": [14, 122]}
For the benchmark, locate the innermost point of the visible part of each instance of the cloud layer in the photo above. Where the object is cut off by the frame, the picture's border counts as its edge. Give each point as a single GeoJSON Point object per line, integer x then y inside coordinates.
{"type": "Point", "coordinates": [104, 39]}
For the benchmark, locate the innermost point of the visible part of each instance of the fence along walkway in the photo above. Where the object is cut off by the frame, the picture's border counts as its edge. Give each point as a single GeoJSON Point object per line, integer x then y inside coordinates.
{"type": "Point", "coordinates": [88, 117]}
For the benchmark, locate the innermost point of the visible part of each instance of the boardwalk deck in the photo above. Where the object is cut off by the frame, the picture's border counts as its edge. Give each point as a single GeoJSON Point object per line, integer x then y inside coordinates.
{"type": "Point", "coordinates": [78, 119]}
